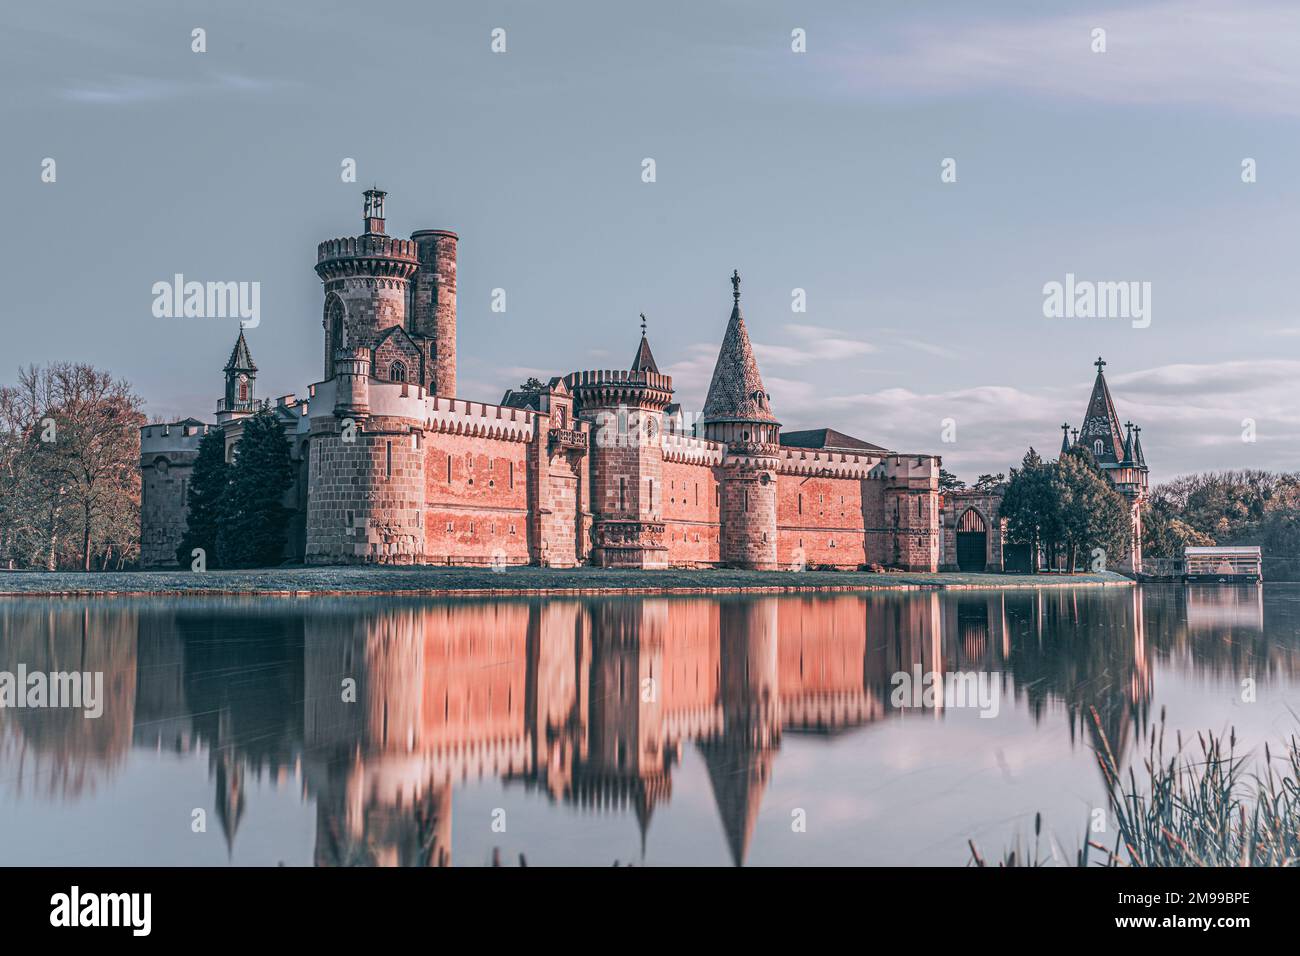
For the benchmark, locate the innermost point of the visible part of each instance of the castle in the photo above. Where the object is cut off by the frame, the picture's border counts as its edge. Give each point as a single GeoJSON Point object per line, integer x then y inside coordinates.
{"type": "Point", "coordinates": [594, 467]}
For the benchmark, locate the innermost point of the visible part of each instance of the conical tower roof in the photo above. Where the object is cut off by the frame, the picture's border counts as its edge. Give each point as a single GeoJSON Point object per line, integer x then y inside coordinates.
{"type": "Point", "coordinates": [644, 360]}
{"type": "Point", "coordinates": [1101, 422]}
{"type": "Point", "coordinates": [738, 774]}
{"type": "Point", "coordinates": [736, 393]}
{"type": "Point", "coordinates": [241, 360]}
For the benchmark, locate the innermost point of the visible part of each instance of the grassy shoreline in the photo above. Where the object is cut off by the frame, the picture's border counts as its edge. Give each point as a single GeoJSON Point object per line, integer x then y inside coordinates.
{"type": "Point", "coordinates": [476, 582]}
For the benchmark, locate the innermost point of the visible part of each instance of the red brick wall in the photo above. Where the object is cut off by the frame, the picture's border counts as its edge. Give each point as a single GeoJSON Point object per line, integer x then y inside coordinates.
{"type": "Point", "coordinates": [690, 510]}
{"type": "Point", "coordinates": [481, 502]}
{"type": "Point", "coordinates": [821, 519]}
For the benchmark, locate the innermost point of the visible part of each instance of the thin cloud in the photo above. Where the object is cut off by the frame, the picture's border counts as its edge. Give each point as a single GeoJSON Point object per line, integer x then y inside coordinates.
{"type": "Point", "coordinates": [131, 90]}
{"type": "Point", "coordinates": [1230, 55]}
{"type": "Point", "coordinates": [815, 344]}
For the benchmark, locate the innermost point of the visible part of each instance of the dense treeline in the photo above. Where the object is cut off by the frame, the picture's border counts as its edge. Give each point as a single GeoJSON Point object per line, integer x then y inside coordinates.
{"type": "Point", "coordinates": [1228, 507]}
{"type": "Point", "coordinates": [69, 479]}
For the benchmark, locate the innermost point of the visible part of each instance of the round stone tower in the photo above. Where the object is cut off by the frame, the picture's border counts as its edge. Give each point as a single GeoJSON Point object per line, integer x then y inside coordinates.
{"type": "Point", "coordinates": [625, 407]}
{"type": "Point", "coordinates": [738, 413]}
{"type": "Point", "coordinates": [433, 304]}
{"type": "Point", "coordinates": [366, 280]}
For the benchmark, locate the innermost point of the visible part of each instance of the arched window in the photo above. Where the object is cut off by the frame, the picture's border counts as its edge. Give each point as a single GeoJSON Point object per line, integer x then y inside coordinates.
{"type": "Point", "coordinates": [397, 371]}
{"type": "Point", "coordinates": [1096, 447]}
{"type": "Point", "coordinates": [243, 388]}
{"type": "Point", "coordinates": [334, 322]}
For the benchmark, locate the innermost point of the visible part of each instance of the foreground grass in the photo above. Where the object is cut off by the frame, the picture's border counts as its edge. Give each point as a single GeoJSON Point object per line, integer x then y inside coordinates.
{"type": "Point", "coordinates": [1197, 808]}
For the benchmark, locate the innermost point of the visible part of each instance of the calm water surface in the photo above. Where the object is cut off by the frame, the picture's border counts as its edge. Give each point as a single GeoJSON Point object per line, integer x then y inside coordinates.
{"type": "Point", "coordinates": [589, 730]}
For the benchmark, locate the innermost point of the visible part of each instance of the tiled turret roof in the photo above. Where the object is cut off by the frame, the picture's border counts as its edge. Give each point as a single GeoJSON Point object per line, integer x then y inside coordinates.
{"type": "Point", "coordinates": [241, 360]}
{"type": "Point", "coordinates": [1101, 422]}
{"type": "Point", "coordinates": [736, 393]}
{"type": "Point", "coordinates": [644, 361]}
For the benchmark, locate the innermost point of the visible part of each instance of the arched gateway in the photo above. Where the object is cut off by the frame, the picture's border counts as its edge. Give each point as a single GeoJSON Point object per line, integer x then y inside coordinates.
{"type": "Point", "coordinates": [972, 541]}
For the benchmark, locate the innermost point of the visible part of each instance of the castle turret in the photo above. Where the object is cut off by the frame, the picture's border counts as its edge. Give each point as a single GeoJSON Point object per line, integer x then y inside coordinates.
{"type": "Point", "coordinates": [352, 383]}
{"type": "Point", "coordinates": [433, 304]}
{"type": "Point", "coordinates": [167, 456]}
{"type": "Point", "coordinates": [738, 413]}
{"type": "Point", "coordinates": [625, 408]}
{"type": "Point", "coordinates": [240, 376]}
{"type": "Point", "coordinates": [366, 283]}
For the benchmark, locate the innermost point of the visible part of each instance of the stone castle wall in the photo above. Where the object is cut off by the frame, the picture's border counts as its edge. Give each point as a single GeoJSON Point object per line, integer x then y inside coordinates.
{"type": "Point", "coordinates": [167, 456]}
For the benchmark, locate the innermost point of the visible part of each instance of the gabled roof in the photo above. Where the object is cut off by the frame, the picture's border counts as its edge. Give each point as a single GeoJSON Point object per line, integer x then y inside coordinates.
{"type": "Point", "coordinates": [241, 360]}
{"type": "Point", "coordinates": [736, 393]}
{"type": "Point", "coordinates": [1101, 422]}
{"type": "Point", "coordinates": [827, 438]}
{"type": "Point", "coordinates": [393, 331]}
{"type": "Point", "coordinates": [645, 360]}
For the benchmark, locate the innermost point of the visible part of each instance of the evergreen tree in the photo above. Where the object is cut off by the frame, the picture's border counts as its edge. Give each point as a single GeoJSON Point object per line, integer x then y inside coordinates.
{"type": "Point", "coordinates": [949, 482]}
{"type": "Point", "coordinates": [1030, 507]}
{"type": "Point", "coordinates": [1093, 514]}
{"type": "Point", "coordinates": [254, 519]}
{"type": "Point", "coordinates": [207, 491]}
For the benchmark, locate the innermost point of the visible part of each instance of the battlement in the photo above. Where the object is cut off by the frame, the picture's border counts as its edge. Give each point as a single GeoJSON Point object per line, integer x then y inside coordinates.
{"type": "Point", "coordinates": [917, 471]}
{"type": "Point", "coordinates": [691, 450]}
{"type": "Point", "coordinates": [454, 416]}
{"type": "Point", "coordinates": [369, 255]}
{"type": "Point", "coordinates": [831, 464]}
{"type": "Point", "coordinates": [171, 437]}
{"type": "Point", "coordinates": [620, 386]}
{"type": "Point", "coordinates": [461, 417]}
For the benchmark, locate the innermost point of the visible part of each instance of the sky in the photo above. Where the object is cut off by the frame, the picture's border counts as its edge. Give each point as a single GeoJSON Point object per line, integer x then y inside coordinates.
{"type": "Point", "coordinates": [819, 171]}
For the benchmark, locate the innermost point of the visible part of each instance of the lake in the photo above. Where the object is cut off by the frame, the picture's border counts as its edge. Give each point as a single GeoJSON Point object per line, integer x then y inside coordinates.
{"type": "Point", "coordinates": [755, 730]}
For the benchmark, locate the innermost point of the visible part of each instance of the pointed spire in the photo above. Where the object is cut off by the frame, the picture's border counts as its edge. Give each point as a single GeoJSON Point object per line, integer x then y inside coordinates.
{"type": "Point", "coordinates": [736, 392]}
{"type": "Point", "coordinates": [645, 360]}
{"type": "Point", "coordinates": [1101, 422]}
{"type": "Point", "coordinates": [1065, 437]}
{"type": "Point", "coordinates": [241, 360]}
{"type": "Point", "coordinates": [1128, 444]}
{"type": "Point", "coordinates": [738, 774]}
{"type": "Point", "coordinates": [1138, 457]}
{"type": "Point", "coordinates": [230, 798]}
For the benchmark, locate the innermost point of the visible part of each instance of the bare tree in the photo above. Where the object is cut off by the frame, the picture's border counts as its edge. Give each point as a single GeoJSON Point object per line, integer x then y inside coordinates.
{"type": "Point", "coordinates": [69, 447]}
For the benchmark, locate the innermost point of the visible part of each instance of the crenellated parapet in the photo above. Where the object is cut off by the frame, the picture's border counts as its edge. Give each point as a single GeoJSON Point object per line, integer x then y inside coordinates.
{"type": "Point", "coordinates": [371, 256]}
{"type": "Point", "coordinates": [689, 450]}
{"type": "Point", "coordinates": [453, 416]}
{"type": "Point", "coordinates": [825, 464]}
{"type": "Point", "coordinates": [610, 388]}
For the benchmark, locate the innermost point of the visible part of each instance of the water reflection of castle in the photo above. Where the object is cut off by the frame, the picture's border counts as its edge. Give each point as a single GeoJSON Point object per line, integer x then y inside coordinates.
{"type": "Point", "coordinates": [589, 702]}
